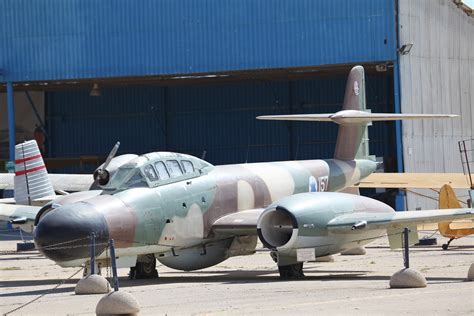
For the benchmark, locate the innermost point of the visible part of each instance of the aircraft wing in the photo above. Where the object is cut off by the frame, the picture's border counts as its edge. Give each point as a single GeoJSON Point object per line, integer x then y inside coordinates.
{"type": "Point", "coordinates": [19, 215]}
{"type": "Point", "coordinates": [63, 182]}
{"type": "Point", "coordinates": [346, 222]}
{"type": "Point", "coordinates": [414, 180]}
{"type": "Point", "coordinates": [243, 223]}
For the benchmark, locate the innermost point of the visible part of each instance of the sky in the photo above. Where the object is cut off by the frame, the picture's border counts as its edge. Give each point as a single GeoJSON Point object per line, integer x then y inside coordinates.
{"type": "Point", "coordinates": [470, 3]}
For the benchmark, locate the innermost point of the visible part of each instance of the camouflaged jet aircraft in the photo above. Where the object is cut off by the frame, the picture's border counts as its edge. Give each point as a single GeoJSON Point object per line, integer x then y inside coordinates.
{"type": "Point", "coordinates": [189, 214]}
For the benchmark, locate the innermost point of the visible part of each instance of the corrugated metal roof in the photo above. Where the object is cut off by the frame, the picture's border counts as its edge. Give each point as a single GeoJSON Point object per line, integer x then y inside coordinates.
{"type": "Point", "coordinates": [74, 39]}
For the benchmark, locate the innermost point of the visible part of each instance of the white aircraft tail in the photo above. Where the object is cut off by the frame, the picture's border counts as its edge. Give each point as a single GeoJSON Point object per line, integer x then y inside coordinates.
{"type": "Point", "coordinates": [31, 180]}
{"type": "Point", "coordinates": [353, 118]}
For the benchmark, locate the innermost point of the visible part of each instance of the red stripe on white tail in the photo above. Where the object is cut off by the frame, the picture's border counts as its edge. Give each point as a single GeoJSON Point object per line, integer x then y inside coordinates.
{"type": "Point", "coordinates": [31, 178]}
{"type": "Point", "coordinates": [28, 171]}
{"type": "Point", "coordinates": [19, 161]}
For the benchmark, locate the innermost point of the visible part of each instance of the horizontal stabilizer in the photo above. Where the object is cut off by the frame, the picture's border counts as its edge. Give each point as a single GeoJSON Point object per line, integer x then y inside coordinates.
{"type": "Point", "coordinates": [354, 117]}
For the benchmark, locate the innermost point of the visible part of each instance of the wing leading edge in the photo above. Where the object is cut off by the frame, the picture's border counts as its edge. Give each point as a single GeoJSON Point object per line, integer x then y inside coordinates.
{"type": "Point", "coordinates": [414, 181]}
{"type": "Point", "coordinates": [243, 223]}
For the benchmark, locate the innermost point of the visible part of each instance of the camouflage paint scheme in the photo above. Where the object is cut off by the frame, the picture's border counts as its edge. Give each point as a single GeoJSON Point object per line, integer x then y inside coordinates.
{"type": "Point", "coordinates": [208, 213]}
{"type": "Point", "coordinates": [179, 213]}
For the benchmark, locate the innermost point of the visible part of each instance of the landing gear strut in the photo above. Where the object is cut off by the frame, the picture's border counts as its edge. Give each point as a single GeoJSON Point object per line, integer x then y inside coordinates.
{"type": "Point", "coordinates": [292, 271]}
{"type": "Point", "coordinates": [445, 246]}
{"type": "Point", "coordinates": [145, 268]}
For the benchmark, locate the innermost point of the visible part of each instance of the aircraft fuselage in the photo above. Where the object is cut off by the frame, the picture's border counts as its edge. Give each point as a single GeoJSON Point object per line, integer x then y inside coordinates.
{"type": "Point", "coordinates": [179, 215]}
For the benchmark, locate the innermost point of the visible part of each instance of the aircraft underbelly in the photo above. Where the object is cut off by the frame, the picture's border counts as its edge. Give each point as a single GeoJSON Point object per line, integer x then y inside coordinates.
{"type": "Point", "coordinates": [333, 244]}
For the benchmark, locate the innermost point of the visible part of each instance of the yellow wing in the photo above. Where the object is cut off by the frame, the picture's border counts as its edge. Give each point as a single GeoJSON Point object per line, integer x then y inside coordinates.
{"type": "Point", "coordinates": [414, 180]}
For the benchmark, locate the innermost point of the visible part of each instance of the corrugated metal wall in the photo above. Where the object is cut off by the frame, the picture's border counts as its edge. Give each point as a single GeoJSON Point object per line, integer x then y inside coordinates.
{"type": "Point", "coordinates": [57, 40]}
{"type": "Point", "coordinates": [218, 119]}
{"type": "Point", "coordinates": [437, 76]}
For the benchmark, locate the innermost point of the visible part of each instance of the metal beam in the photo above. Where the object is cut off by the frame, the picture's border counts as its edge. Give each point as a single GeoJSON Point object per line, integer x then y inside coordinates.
{"type": "Point", "coordinates": [11, 121]}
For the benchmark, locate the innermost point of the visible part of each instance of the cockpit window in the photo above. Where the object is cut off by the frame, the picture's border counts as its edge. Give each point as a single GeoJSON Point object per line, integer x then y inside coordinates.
{"type": "Point", "coordinates": [161, 169]}
{"type": "Point", "coordinates": [174, 168]}
{"type": "Point", "coordinates": [188, 166]}
{"type": "Point", "coordinates": [119, 176]}
{"type": "Point", "coordinates": [136, 180]}
{"type": "Point", "coordinates": [126, 178]}
{"type": "Point", "coordinates": [150, 173]}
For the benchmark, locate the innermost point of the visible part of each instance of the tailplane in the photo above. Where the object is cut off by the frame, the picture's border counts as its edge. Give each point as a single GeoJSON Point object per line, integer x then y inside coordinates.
{"type": "Point", "coordinates": [31, 182]}
{"type": "Point", "coordinates": [353, 119]}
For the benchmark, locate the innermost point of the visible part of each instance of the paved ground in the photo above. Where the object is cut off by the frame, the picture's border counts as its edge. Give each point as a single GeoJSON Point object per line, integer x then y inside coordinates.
{"type": "Point", "coordinates": [250, 285]}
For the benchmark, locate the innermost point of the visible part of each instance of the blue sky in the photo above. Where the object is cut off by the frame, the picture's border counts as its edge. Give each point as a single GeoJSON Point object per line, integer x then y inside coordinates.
{"type": "Point", "coordinates": [469, 3]}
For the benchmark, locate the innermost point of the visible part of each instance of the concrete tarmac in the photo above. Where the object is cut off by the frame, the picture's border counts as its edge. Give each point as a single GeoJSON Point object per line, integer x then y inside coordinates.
{"type": "Point", "coordinates": [355, 285]}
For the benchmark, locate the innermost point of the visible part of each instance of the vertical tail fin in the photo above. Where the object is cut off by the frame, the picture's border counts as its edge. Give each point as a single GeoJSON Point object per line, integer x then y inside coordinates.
{"type": "Point", "coordinates": [448, 199]}
{"type": "Point", "coordinates": [351, 136]}
{"type": "Point", "coordinates": [31, 178]}
{"type": "Point", "coordinates": [353, 119]}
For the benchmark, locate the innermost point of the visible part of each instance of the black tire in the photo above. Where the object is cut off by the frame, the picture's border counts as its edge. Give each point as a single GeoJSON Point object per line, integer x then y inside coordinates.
{"type": "Point", "coordinates": [292, 271]}
{"type": "Point", "coordinates": [145, 268]}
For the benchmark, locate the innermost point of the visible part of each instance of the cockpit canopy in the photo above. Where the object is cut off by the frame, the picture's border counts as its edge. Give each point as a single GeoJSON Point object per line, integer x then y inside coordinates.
{"type": "Point", "coordinates": [155, 169]}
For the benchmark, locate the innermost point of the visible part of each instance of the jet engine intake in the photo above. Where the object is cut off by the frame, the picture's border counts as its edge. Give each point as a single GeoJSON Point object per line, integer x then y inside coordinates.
{"type": "Point", "coordinates": [276, 226]}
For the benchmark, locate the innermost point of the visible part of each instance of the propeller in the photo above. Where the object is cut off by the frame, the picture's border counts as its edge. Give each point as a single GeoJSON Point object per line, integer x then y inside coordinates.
{"type": "Point", "coordinates": [101, 175]}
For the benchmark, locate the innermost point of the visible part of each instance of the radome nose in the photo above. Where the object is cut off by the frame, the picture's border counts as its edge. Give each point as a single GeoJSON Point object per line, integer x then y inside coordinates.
{"type": "Point", "coordinates": [64, 233]}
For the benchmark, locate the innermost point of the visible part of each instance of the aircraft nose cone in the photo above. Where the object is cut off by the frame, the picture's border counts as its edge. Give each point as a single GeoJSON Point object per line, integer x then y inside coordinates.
{"type": "Point", "coordinates": [64, 233]}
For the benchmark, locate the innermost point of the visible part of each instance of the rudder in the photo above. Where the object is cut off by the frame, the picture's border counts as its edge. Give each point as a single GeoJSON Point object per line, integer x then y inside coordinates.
{"type": "Point", "coordinates": [31, 180]}
{"type": "Point", "coordinates": [350, 136]}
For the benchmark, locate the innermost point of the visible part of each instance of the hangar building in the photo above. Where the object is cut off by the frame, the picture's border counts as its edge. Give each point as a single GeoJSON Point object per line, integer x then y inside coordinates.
{"type": "Point", "coordinates": [190, 76]}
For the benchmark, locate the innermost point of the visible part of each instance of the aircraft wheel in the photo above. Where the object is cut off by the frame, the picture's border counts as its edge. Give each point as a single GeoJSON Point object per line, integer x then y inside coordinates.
{"type": "Point", "coordinates": [292, 271]}
{"type": "Point", "coordinates": [445, 246]}
{"type": "Point", "coordinates": [274, 256]}
{"type": "Point", "coordinates": [145, 268]}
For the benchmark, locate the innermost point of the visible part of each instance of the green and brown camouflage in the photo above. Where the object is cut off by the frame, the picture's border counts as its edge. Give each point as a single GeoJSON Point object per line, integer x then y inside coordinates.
{"type": "Point", "coordinates": [190, 214]}
{"type": "Point", "coordinates": [141, 210]}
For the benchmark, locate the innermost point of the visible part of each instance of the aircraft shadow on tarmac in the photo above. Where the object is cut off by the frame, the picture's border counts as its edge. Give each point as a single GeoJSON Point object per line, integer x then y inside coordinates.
{"type": "Point", "coordinates": [225, 277]}
{"type": "Point", "coordinates": [25, 256]}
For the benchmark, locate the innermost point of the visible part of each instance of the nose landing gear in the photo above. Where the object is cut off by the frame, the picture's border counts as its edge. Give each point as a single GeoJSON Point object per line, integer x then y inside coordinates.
{"type": "Point", "coordinates": [145, 268]}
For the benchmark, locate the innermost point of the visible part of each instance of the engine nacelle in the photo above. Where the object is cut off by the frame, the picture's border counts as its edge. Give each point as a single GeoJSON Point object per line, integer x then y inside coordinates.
{"type": "Point", "coordinates": [196, 258]}
{"type": "Point", "coordinates": [300, 221]}
{"type": "Point", "coordinates": [103, 175]}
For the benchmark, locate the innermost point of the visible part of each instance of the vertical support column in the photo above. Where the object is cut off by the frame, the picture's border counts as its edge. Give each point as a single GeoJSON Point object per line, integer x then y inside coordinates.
{"type": "Point", "coordinates": [400, 198]}
{"type": "Point", "coordinates": [11, 121]}
{"type": "Point", "coordinates": [92, 253]}
{"type": "Point", "coordinates": [406, 247]}
{"type": "Point", "coordinates": [114, 264]}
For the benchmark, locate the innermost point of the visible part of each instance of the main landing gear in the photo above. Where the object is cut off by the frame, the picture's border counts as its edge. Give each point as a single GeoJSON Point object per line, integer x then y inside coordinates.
{"type": "Point", "coordinates": [145, 268]}
{"type": "Point", "coordinates": [287, 266]}
{"type": "Point", "coordinates": [292, 271]}
{"type": "Point", "coordinates": [445, 246]}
